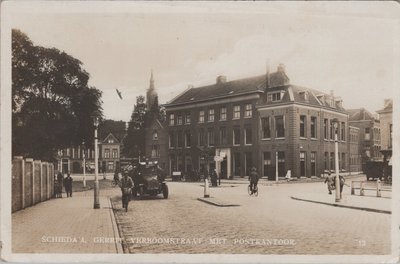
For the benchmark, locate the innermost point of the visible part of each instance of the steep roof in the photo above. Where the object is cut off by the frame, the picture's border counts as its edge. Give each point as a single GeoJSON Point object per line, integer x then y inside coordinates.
{"type": "Point", "coordinates": [110, 136]}
{"type": "Point", "coordinates": [359, 114]}
{"type": "Point", "coordinates": [225, 89]}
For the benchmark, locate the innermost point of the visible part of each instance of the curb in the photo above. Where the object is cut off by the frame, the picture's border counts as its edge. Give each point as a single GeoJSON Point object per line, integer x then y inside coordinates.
{"type": "Point", "coordinates": [344, 206]}
{"type": "Point", "coordinates": [216, 203]}
{"type": "Point", "coordinates": [118, 246]}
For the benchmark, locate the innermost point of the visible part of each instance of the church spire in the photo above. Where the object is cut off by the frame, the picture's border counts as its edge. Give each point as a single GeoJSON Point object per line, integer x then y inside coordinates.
{"type": "Point", "coordinates": [151, 93]}
{"type": "Point", "coordinates": [151, 81]}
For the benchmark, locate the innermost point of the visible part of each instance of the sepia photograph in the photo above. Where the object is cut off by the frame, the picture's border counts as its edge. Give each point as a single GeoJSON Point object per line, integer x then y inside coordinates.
{"type": "Point", "coordinates": [199, 132]}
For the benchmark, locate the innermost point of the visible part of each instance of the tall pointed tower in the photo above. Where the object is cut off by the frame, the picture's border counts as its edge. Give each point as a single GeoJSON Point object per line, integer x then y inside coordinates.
{"type": "Point", "coordinates": [151, 93]}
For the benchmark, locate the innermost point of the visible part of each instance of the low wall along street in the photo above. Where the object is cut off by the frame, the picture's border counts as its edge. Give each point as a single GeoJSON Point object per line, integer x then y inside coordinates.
{"type": "Point", "coordinates": [32, 182]}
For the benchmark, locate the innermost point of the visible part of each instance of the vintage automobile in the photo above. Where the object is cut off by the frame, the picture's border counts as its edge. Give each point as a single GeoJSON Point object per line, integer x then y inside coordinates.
{"type": "Point", "coordinates": [149, 179]}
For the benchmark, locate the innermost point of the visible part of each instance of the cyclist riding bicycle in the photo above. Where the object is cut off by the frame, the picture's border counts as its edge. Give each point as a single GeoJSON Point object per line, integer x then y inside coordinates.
{"type": "Point", "coordinates": [253, 178]}
{"type": "Point", "coordinates": [126, 185]}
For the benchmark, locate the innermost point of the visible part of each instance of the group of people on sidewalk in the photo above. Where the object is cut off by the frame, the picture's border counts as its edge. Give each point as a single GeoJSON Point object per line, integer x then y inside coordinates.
{"type": "Point", "coordinates": [59, 182]}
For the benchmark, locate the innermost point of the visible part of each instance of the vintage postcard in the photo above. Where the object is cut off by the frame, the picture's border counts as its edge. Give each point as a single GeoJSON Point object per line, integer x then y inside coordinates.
{"type": "Point", "coordinates": [199, 132]}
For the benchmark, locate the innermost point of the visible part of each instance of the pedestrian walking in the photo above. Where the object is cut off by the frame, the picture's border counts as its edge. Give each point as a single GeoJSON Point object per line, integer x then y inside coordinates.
{"type": "Point", "coordinates": [219, 179]}
{"type": "Point", "coordinates": [214, 178]}
{"type": "Point", "coordinates": [253, 178]}
{"type": "Point", "coordinates": [68, 185]}
{"type": "Point", "coordinates": [330, 181]}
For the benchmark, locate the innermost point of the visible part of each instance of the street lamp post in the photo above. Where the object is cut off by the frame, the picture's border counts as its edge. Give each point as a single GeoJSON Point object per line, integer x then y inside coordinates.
{"type": "Point", "coordinates": [84, 164]}
{"type": "Point", "coordinates": [337, 180]}
{"type": "Point", "coordinates": [96, 166]}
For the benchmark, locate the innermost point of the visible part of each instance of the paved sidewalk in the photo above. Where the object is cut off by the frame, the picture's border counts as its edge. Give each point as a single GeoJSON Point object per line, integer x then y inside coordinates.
{"type": "Point", "coordinates": [367, 203]}
{"type": "Point", "coordinates": [66, 225]}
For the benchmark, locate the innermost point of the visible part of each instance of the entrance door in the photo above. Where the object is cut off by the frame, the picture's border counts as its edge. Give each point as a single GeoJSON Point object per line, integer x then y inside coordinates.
{"type": "Point", "coordinates": [224, 168]}
{"type": "Point", "coordinates": [302, 164]}
{"type": "Point", "coordinates": [65, 166]}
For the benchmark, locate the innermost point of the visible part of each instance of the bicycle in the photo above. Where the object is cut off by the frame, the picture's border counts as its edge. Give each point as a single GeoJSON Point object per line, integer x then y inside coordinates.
{"type": "Point", "coordinates": [255, 191]}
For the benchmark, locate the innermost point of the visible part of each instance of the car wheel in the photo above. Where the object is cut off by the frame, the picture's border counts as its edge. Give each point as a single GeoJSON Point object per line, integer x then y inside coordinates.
{"type": "Point", "coordinates": [165, 191]}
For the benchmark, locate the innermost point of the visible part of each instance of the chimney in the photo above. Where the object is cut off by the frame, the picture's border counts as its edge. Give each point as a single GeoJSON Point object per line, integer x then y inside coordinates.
{"type": "Point", "coordinates": [221, 79]}
{"type": "Point", "coordinates": [281, 68]}
{"type": "Point", "coordinates": [387, 102]}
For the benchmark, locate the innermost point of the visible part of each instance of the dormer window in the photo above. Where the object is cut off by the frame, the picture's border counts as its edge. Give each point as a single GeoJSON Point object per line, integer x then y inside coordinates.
{"type": "Point", "coordinates": [275, 96]}
{"type": "Point", "coordinates": [110, 140]}
{"type": "Point", "coordinates": [304, 95]}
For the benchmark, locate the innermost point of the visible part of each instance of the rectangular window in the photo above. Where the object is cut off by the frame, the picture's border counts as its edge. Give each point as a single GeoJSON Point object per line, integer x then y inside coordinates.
{"type": "Point", "coordinates": [201, 137]}
{"type": "Point", "coordinates": [223, 114]}
{"type": "Point", "coordinates": [313, 127]}
{"type": "Point", "coordinates": [210, 136]}
{"type": "Point", "coordinates": [274, 97]}
{"type": "Point", "coordinates": [188, 118]}
{"type": "Point", "coordinates": [201, 116]}
{"type": "Point", "coordinates": [171, 140]}
{"type": "Point", "coordinates": [303, 126]}
{"type": "Point", "coordinates": [313, 160]}
{"type": "Point", "coordinates": [279, 127]}
{"type": "Point", "coordinates": [326, 129]}
{"type": "Point", "coordinates": [343, 161]}
{"type": "Point", "coordinates": [188, 142]}
{"type": "Point", "coordinates": [281, 164]}
{"type": "Point", "coordinates": [332, 161]}
{"type": "Point", "coordinates": [114, 153]}
{"type": "Point", "coordinates": [155, 135]}
{"type": "Point", "coordinates": [248, 140]}
{"type": "Point", "coordinates": [267, 165]}
{"type": "Point", "coordinates": [107, 153]}
{"type": "Point", "coordinates": [180, 139]}
{"type": "Point", "coordinates": [179, 120]}
{"type": "Point", "coordinates": [211, 115]}
{"type": "Point", "coordinates": [248, 110]}
{"type": "Point", "coordinates": [236, 136]}
{"type": "Point", "coordinates": [342, 132]}
{"type": "Point", "coordinates": [110, 166]}
{"type": "Point", "coordinates": [326, 160]}
{"type": "Point", "coordinates": [266, 127]}
{"type": "Point", "coordinates": [155, 151]}
{"type": "Point", "coordinates": [332, 130]}
{"type": "Point", "coordinates": [222, 136]}
{"type": "Point", "coordinates": [171, 119]}
{"type": "Point", "coordinates": [367, 134]}
{"type": "Point", "coordinates": [236, 112]}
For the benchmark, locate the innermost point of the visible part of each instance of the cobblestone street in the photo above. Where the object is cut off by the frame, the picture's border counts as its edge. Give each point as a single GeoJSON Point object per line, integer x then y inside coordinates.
{"type": "Point", "coordinates": [298, 227]}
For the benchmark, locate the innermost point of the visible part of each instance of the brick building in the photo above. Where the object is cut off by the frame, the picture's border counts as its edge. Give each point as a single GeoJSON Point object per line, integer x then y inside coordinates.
{"type": "Point", "coordinates": [355, 149]}
{"type": "Point", "coordinates": [261, 121]}
{"type": "Point", "coordinates": [370, 134]}
{"type": "Point", "coordinates": [386, 124]}
{"type": "Point", "coordinates": [156, 143]}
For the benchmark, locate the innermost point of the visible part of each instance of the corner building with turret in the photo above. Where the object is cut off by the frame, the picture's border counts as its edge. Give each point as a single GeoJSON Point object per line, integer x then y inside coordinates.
{"type": "Point", "coordinates": [262, 121]}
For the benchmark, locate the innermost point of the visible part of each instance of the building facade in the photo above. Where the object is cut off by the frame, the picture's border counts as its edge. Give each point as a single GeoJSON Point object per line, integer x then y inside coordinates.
{"type": "Point", "coordinates": [355, 150]}
{"type": "Point", "coordinates": [386, 124]}
{"type": "Point", "coordinates": [71, 160]}
{"type": "Point", "coordinates": [370, 134]}
{"type": "Point", "coordinates": [261, 121]}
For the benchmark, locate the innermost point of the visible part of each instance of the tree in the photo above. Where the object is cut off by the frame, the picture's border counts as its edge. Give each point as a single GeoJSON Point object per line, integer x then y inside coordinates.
{"type": "Point", "coordinates": [117, 128]}
{"type": "Point", "coordinates": [134, 142]}
{"type": "Point", "coordinates": [52, 105]}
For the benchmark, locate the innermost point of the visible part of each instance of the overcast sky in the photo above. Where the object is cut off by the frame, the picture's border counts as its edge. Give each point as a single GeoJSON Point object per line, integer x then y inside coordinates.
{"type": "Point", "coordinates": [346, 47]}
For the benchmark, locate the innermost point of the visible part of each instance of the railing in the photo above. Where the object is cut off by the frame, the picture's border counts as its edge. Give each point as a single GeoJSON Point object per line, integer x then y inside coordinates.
{"type": "Point", "coordinates": [377, 186]}
{"type": "Point", "coordinates": [32, 182]}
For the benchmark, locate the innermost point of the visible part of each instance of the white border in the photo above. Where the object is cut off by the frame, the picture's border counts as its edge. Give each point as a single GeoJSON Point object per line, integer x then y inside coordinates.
{"type": "Point", "coordinates": [381, 10]}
